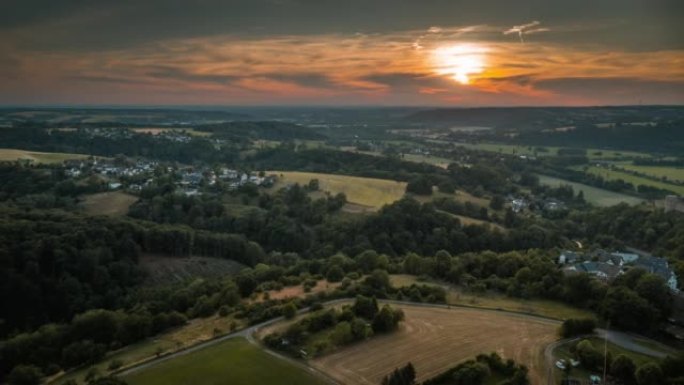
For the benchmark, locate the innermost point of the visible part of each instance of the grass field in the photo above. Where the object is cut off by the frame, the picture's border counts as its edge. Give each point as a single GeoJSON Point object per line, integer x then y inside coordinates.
{"type": "Point", "coordinates": [456, 296]}
{"type": "Point", "coordinates": [609, 174]}
{"type": "Point", "coordinates": [234, 361]}
{"type": "Point", "coordinates": [671, 173]}
{"type": "Point", "coordinates": [10, 154]}
{"type": "Point", "coordinates": [115, 203]}
{"type": "Point", "coordinates": [434, 340]}
{"type": "Point", "coordinates": [197, 330]}
{"type": "Point", "coordinates": [596, 196]}
{"type": "Point", "coordinates": [370, 192]}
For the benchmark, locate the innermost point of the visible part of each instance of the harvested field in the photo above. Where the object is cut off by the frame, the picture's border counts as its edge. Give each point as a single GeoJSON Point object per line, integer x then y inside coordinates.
{"type": "Point", "coordinates": [435, 339]}
{"type": "Point", "coordinates": [11, 154]}
{"type": "Point", "coordinates": [369, 192]}
{"type": "Point", "coordinates": [115, 203]}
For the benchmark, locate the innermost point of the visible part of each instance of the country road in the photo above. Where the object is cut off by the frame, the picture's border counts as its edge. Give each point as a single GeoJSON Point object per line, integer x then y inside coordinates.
{"type": "Point", "coordinates": [623, 340]}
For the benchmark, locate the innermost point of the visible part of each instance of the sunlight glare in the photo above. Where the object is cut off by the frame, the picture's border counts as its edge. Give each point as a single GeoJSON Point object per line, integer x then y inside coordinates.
{"type": "Point", "coordinates": [460, 61]}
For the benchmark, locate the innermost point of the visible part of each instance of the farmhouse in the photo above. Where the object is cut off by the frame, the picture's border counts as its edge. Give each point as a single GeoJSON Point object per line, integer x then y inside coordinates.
{"type": "Point", "coordinates": [658, 266]}
{"type": "Point", "coordinates": [601, 270]}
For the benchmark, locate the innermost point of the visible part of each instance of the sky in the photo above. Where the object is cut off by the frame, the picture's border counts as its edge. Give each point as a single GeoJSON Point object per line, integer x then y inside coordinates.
{"type": "Point", "coordinates": [343, 52]}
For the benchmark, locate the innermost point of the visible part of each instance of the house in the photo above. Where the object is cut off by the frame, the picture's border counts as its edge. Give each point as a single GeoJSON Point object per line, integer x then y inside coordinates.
{"type": "Point", "coordinates": [658, 266]}
{"type": "Point", "coordinates": [569, 257]}
{"type": "Point", "coordinates": [600, 270]}
{"type": "Point", "coordinates": [114, 185]}
{"type": "Point", "coordinates": [626, 257]}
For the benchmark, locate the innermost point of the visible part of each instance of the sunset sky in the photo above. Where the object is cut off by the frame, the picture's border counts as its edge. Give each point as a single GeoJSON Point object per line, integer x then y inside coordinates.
{"type": "Point", "coordinates": [345, 52]}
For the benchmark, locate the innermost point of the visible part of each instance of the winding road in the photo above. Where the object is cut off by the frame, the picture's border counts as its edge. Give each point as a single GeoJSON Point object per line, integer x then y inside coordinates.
{"type": "Point", "coordinates": [623, 340]}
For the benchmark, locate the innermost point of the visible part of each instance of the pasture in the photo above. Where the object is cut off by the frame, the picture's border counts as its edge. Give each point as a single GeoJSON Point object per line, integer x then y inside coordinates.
{"type": "Point", "coordinates": [435, 339]}
{"type": "Point", "coordinates": [532, 150]}
{"type": "Point", "coordinates": [671, 173]}
{"type": "Point", "coordinates": [113, 203]}
{"type": "Point", "coordinates": [593, 195]}
{"type": "Point", "coordinates": [371, 193]}
{"type": "Point", "coordinates": [234, 361]}
{"type": "Point", "coordinates": [11, 154]}
{"type": "Point", "coordinates": [636, 180]}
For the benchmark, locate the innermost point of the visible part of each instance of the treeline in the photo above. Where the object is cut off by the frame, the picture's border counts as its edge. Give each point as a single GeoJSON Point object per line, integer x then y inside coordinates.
{"type": "Point", "coordinates": [268, 130]}
{"type": "Point", "coordinates": [55, 264]}
{"type": "Point", "coordinates": [480, 370]}
{"type": "Point", "coordinates": [121, 142]}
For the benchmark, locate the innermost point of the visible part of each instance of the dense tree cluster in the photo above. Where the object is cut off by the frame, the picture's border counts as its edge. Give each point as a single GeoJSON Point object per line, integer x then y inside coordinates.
{"type": "Point", "coordinates": [476, 372]}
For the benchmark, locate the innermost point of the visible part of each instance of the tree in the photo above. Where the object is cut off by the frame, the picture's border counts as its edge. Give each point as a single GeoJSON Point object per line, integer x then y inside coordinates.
{"type": "Point", "coordinates": [335, 274]}
{"type": "Point", "coordinates": [624, 308]}
{"type": "Point", "coordinates": [649, 374]}
{"type": "Point", "coordinates": [575, 327]}
{"type": "Point", "coordinates": [365, 307]}
{"type": "Point", "coordinates": [497, 202]}
{"type": "Point", "coordinates": [289, 311]}
{"type": "Point", "coordinates": [590, 357]}
{"type": "Point", "coordinates": [387, 319]}
{"type": "Point", "coordinates": [622, 370]}
{"type": "Point", "coordinates": [401, 376]}
{"type": "Point", "coordinates": [24, 375]}
{"type": "Point", "coordinates": [653, 289]}
{"type": "Point", "coordinates": [419, 186]}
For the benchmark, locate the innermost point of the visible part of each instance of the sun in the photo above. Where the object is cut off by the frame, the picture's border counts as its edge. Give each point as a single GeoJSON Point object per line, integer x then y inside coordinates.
{"type": "Point", "coordinates": [460, 61]}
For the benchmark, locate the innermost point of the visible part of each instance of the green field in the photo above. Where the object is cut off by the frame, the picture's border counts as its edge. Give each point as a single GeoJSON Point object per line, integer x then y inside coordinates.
{"type": "Point", "coordinates": [234, 361]}
{"type": "Point", "coordinates": [596, 196]}
{"type": "Point", "coordinates": [194, 332]}
{"type": "Point", "coordinates": [609, 174]}
{"type": "Point", "coordinates": [671, 173]}
{"type": "Point", "coordinates": [368, 192]}
{"type": "Point", "coordinates": [11, 154]}
{"type": "Point", "coordinates": [513, 149]}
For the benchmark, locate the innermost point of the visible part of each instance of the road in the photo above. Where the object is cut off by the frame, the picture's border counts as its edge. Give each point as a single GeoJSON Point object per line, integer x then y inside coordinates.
{"type": "Point", "coordinates": [623, 340]}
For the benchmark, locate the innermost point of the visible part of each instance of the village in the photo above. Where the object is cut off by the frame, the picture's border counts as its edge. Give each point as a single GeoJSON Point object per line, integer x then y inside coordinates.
{"type": "Point", "coordinates": [135, 175]}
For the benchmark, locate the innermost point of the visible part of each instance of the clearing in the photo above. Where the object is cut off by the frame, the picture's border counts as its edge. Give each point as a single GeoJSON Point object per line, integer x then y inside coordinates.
{"type": "Point", "coordinates": [372, 193]}
{"type": "Point", "coordinates": [436, 339]}
{"type": "Point", "coordinates": [234, 361]}
{"type": "Point", "coordinates": [114, 203]}
{"type": "Point", "coordinates": [594, 195]}
{"type": "Point", "coordinates": [165, 269]}
{"type": "Point", "coordinates": [11, 154]}
{"type": "Point", "coordinates": [298, 291]}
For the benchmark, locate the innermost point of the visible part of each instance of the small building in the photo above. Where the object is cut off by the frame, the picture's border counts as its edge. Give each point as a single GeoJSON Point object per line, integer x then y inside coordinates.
{"type": "Point", "coordinates": [658, 266]}
{"type": "Point", "coordinates": [569, 257]}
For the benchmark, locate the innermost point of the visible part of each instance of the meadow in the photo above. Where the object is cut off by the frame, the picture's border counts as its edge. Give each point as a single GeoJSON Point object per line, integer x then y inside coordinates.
{"type": "Point", "coordinates": [11, 154]}
{"type": "Point", "coordinates": [159, 130]}
{"type": "Point", "coordinates": [234, 361]}
{"type": "Point", "coordinates": [368, 192]}
{"type": "Point", "coordinates": [436, 339]}
{"type": "Point", "coordinates": [530, 150]}
{"type": "Point", "coordinates": [594, 195]}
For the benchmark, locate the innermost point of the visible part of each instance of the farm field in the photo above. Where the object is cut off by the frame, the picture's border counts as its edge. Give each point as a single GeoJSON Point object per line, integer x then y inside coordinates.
{"type": "Point", "coordinates": [456, 296]}
{"type": "Point", "coordinates": [634, 179]}
{"type": "Point", "coordinates": [11, 154]}
{"type": "Point", "coordinates": [114, 203]}
{"type": "Point", "coordinates": [435, 339]}
{"type": "Point", "coordinates": [234, 361]}
{"type": "Point", "coordinates": [159, 130]}
{"type": "Point", "coordinates": [671, 173]}
{"type": "Point", "coordinates": [512, 149]}
{"type": "Point", "coordinates": [195, 331]}
{"type": "Point", "coordinates": [370, 192]}
{"type": "Point", "coordinates": [594, 195]}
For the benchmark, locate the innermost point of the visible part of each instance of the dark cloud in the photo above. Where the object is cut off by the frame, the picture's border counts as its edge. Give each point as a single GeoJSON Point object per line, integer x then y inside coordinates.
{"type": "Point", "coordinates": [104, 24]}
{"type": "Point", "coordinates": [619, 90]}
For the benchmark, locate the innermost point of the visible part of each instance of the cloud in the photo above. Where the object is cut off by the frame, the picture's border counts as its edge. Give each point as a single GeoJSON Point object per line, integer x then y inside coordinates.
{"type": "Point", "coordinates": [525, 29]}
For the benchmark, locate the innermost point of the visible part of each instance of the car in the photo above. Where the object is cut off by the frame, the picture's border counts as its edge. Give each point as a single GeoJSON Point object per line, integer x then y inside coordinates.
{"type": "Point", "coordinates": [560, 364]}
{"type": "Point", "coordinates": [594, 379]}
